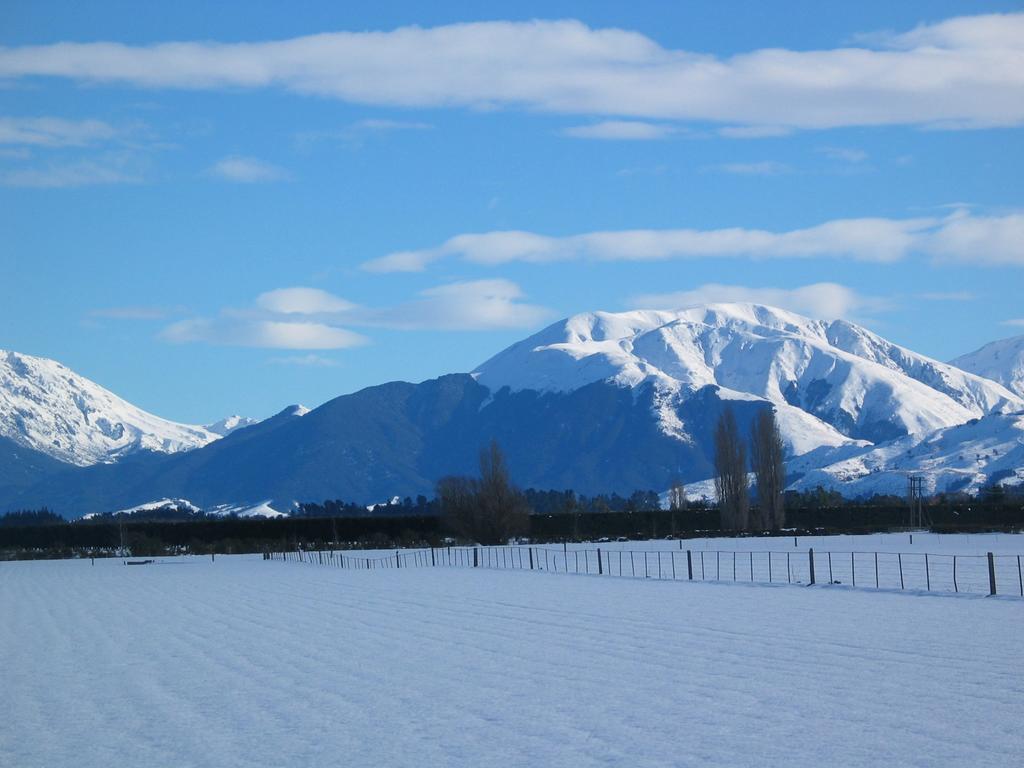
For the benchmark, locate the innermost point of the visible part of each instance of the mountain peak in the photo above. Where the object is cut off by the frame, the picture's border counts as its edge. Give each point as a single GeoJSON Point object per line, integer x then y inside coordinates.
{"type": "Point", "coordinates": [229, 424]}
{"type": "Point", "coordinates": [50, 408]}
{"type": "Point", "coordinates": [1001, 361]}
{"type": "Point", "coordinates": [830, 381]}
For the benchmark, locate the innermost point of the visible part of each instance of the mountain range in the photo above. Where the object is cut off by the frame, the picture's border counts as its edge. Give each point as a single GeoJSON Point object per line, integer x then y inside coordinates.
{"type": "Point", "coordinates": [599, 402]}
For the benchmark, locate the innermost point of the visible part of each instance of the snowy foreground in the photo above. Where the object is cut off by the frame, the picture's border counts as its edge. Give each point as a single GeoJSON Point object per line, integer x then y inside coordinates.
{"type": "Point", "coordinates": [244, 662]}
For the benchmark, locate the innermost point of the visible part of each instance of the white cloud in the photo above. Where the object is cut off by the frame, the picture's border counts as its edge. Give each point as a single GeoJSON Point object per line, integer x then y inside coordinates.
{"type": "Point", "coordinates": [960, 236]}
{"type": "Point", "coordinates": [109, 168]}
{"type": "Point", "coordinates": [863, 239]}
{"type": "Point", "coordinates": [631, 130]}
{"type": "Point", "coordinates": [820, 300]}
{"type": "Point", "coordinates": [471, 305]}
{"type": "Point", "coordinates": [235, 331]}
{"type": "Point", "coordinates": [53, 131]}
{"type": "Point", "coordinates": [247, 170]}
{"type": "Point", "coordinates": [962, 72]}
{"type": "Point", "coordinates": [846, 154]}
{"type": "Point", "coordinates": [355, 133]}
{"type": "Point", "coordinates": [302, 301]}
{"type": "Point", "coordinates": [754, 131]}
{"type": "Point", "coordinates": [1019, 321]}
{"type": "Point", "coordinates": [312, 319]}
{"type": "Point", "coordinates": [762, 168]}
{"type": "Point", "coordinates": [969, 238]}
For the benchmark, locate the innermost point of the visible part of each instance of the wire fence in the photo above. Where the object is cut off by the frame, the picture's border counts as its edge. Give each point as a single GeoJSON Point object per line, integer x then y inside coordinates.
{"type": "Point", "coordinates": [990, 574]}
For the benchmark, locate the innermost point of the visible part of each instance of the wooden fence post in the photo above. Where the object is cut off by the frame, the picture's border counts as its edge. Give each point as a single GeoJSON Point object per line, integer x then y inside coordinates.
{"type": "Point", "coordinates": [476, 557]}
{"type": "Point", "coordinates": [398, 560]}
{"type": "Point", "coordinates": [991, 574]}
{"type": "Point", "coordinates": [810, 558]}
{"type": "Point", "coordinates": [531, 558]}
{"type": "Point", "coordinates": [689, 565]}
{"type": "Point", "coordinates": [600, 568]}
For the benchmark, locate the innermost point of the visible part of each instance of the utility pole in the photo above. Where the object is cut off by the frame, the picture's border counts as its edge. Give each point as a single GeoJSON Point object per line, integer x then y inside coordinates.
{"type": "Point", "coordinates": [915, 500]}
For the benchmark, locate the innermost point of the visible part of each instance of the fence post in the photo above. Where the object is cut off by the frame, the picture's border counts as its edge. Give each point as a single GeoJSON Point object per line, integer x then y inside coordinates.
{"type": "Point", "coordinates": [531, 557]}
{"type": "Point", "coordinates": [991, 574]}
{"type": "Point", "coordinates": [876, 570]}
{"type": "Point", "coordinates": [398, 560]}
{"type": "Point", "coordinates": [810, 558]}
{"type": "Point", "coordinates": [600, 568]}
{"type": "Point", "coordinates": [476, 552]}
{"type": "Point", "coordinates": [899, 557]}
{"type": "Point", "coordinates": [689, 565]}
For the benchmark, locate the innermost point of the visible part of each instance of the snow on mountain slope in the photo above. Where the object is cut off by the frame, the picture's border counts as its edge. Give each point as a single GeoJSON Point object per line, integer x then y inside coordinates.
{"type": "Point", "coordinates": [48, 407]}
{"type": "Point", "coordinates": [1001, 361]}
{"type": "Point", "coordinates": [963, 458]}
{"type": "Point", "coordinates": [831, 382]}
{"type": "Point", "coordinates": [229, 424]}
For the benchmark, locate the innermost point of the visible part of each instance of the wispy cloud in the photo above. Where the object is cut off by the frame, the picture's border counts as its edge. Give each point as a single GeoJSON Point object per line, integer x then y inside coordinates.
{"type": "Point", "coordinates": [820, 300]}
{"type": "Point", "coordinates": [618, 130]}
{"type": "Point", "coordinates": [54, 131]}
{"type": "Point", "coordinates": [959, 73]}
{"type": "Point", "coordinates": [139, 312]}
{"type": "Point", "coordinates": [241, 331]}
{"type": "Point", "coordinates": [107, 168]}
{"type": "Point", "coordinates": [247, 170]}
{"type": "Point", "coordinates": [1016, 322]}
{"type": "Point", "coordinates": [960, 236]}
{"type": "Point", "coordinates": [754, 131]}
{"type": "Point", "coordinates": [306, 361]}
{"type": "Point", "coordinates": [358, 132]}
{"type": "Point", "coordinates": [844, 154]}
{"type": "Point", "coordinates": [947, 296]}
{"type": "Point", "coordinates": [762, 168]}
{"type": "Point", "coordinates": [313, 319]}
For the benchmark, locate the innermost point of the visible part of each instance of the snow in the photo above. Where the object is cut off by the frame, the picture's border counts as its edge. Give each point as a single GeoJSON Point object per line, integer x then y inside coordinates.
{"type": "Point", "coordinates": [242, 662]}
{"type": "Point", "coordinates": [229, 424]}
{"type": "Point", "coordinates": [260, 509]}
{"type": "Point", "coordinates": [1001, 361]}
{"type": "Point", "coordinates": [151, 506]}
{"type": "Point", "coordinates": [828, 380]}
{"type": "Point", "coordinates": [960, 458]}
{"type": "Point", "coordinates": [48, 407]}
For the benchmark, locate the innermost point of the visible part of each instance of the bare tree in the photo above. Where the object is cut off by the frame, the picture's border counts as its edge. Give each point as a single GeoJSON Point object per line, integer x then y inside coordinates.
{"type": "Point", "coordinates": [731, 474]}
{"type": "Point", "coordinates": [490, 509]}
{"type": "Point", "coordinates": [677, 496]}
{"type": "Point", "coordinates": [676, 502]}
{"type": "Point", "coordinates": [458, 502]}
{"type": "Point", "coordinates": [766, 456]}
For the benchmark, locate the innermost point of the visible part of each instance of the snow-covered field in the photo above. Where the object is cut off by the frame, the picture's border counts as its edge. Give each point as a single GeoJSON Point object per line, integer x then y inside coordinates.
{"type": "Point", "coordinates": [244, 662]}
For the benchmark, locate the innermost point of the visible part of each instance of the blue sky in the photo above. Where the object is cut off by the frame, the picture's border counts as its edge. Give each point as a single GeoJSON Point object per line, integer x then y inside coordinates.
{"type": "Point", "coordinates": [234, 224]}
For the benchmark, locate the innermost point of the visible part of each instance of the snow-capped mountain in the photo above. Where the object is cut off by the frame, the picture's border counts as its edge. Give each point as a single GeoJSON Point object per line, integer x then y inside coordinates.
{"type": "Point", "coordinates": [50, 408]}
{"type": "Point", "coordinates": [963, 458]}
{"type": "Point", "coordinates": [229, 424]}
{"type": "Point", "coordinates": [1001, 361]}
{"type": "Point", "coordinates": [599, 402]}
{"type": "Point", "coordinates": [831, 383]}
